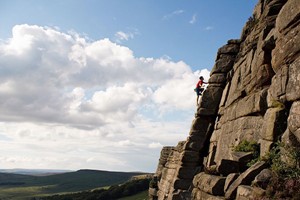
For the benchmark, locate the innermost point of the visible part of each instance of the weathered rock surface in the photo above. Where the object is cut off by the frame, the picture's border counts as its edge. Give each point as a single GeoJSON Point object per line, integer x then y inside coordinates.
{"type": "Point", "coordinates": [245, 192]}
{"type": "Point", "coordinates": [164, 154]}
{"type": "Point", "coordinates": [198, 194]}
{"type": "Point", "coordinates": [229, 180]}
{"type": "Point", "coordinates": [253, 94]}
{"type": "Point", "coordinates": [263, 178]}
{"type": "Point", "coordinates": [210, 184]}
{"type": "Point", "coordinates": [294, 120]}
{"type": "Point", "coordinates": [225, 167]}
{"type": "Point", "coordinates": [245, 179]}
{"type": "Point", "coordinates": [152, 193]}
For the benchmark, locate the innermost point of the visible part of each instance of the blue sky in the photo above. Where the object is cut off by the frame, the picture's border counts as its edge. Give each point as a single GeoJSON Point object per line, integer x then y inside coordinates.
{"type": "Point", "coordinates": [104, 84]}
{"type": "Point", "coordinates": [158, 28]}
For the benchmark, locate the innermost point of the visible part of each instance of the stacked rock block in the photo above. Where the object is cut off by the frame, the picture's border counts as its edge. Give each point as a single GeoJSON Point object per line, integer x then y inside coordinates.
{"type": "Point", "coordinates": [253, 95]}
{"type": "Point", "coordinates": [285, 84]}
{"type": "Point", "coordinates": [186, 160]}
{"type": "Point", "coordinates": [164, 156]}
{"type": "Point", "coordinates": [260, 101]}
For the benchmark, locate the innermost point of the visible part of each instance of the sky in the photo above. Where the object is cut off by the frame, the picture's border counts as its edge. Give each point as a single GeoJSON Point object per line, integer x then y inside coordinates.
{"type": "Point", "coordinates": [105, 84]}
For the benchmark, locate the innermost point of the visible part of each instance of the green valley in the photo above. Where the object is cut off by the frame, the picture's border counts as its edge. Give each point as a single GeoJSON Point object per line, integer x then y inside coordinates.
{"type": "Point", "coordinates": [22, 187]}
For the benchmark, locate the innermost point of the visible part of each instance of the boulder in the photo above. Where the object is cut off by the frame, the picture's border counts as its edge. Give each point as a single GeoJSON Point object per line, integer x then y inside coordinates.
{"type": "Point", "coordinates": [211, 155]}
{"type": "Point", "coordinates": [195, 143]}
{"type": "Point", "coordinates": [210, 183]}
{"type": "Point", "coordinates": [290, 139]}
{"type": "Point", "coordinates": [224, 98]}
{"type": "Point", "coordinates": [223, 65]}
{"type": "Point", "coordinates": [234, 131]}
{"type": "Point", "coordinates": [277, 90]}
{"type": "Point", "coordinates": [245, 178]}
{"type": "Point", "coordinates": [274, 7]}
{"type": "Point", "coordinates": [275, 123]}
{"type": "Point", "coordinates": [245, 192]}
{"type": "Point", "coordinates": [229, 180]}
{"type": "Point", "coordinates": [232, 49]}
{"type": "Point", "coordinates": [234, 41]}
{"type": "Point", "coordinates": [294, 120]}
{"type": "Point", "coordinates": [265, 147]}
{"type": "Point", "coordinates": [180, 195]}
{"type": "Point", "coordinates": [225, 167]}
{"type": "Point", "coordinates": [293, 85]}
{"type": "Point", "coordinates": [183, 184]}
{"type": "Point", "coordinates": [263, 178]}
{"type": "Point", "coordinates": [236, 89]}
{"type": "Point", "coordinates": [198, 194]}
{"type": "Point", "coordinates": [192, 145]}
{"type": "Point", "coordinates": [209, 103]}
{"type": "Point", "coordinates": [242, 157]}
{"type": "Point", "coordinates": [186, 172]}
{"type": "Point", "coordinates": [200, 125]}
{"type": "Point", "coordinates": [288, 41]}
{"type": "Point", "coordinates": [190, 156]}
{"type": "Point", "coordinates": [289, 13]}
{"type": "Point", "coordinates": [250, 104]}
{"type": "Point", "coordinates": [164, 154]}
{"type": "Point", "coordinates": [258, 79]}
{"type": "Point", "coordinates": [219, 78]}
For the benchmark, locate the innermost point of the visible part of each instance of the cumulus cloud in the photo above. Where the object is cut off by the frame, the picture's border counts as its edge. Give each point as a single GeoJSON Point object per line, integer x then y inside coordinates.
{"type": "Point", "coordinates": [60, 92]}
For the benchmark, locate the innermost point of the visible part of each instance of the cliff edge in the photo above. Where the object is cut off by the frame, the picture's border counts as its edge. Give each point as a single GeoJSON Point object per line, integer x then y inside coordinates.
{"type": "Point", "coordinates": [253, 99]}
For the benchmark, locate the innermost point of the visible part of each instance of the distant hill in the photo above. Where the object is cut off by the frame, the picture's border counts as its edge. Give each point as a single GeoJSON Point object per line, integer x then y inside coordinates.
{"type": "Point", "coordinates": [34, 172]}
{"type": "Point", "coordinates": [19, 186]}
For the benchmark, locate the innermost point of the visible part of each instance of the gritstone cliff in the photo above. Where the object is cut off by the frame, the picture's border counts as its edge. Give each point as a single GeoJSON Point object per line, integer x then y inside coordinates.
{"type": "Point", "coordinates": [253, 95]}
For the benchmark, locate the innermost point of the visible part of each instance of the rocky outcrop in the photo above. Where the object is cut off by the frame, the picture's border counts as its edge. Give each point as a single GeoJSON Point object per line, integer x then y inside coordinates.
{"type": "Point", "coordinates": [253, 95]}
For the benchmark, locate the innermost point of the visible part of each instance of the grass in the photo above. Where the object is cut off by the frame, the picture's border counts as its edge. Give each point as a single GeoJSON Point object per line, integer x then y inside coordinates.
{"type": "Point", "coordinates": [23, 187]}
{"type": "Point", "coordinates": [140, 196]}
{"type": "Point", "coordinates": [21, 193]}
{"type": "Point", "coordinates": [25, 193]}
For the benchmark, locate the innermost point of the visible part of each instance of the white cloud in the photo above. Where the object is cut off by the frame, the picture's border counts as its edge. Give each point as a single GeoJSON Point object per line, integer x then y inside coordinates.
{"type": "Point", "coordinates": [124, 143]}
{"type": "Point", "coordinates": [125, 36]}
{"type": "Point", "coordinates": [69, 102]}
{"type": "Point", "coordinates": [208, 28]}
{"type": "Point", "coordinates": [176, 93]}
{"type": "Point", "coordinates": [155, 145]}
{"type": "Point", "coordinates": [174, 13]}
{"type": "Point", "coordinates": [194, 19]}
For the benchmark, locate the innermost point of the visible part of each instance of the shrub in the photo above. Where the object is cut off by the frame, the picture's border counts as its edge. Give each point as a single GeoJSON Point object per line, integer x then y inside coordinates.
{"type": "Point", "coordinates": [284, 162]}
{"type": "Point", "coordinates": [249, 146]}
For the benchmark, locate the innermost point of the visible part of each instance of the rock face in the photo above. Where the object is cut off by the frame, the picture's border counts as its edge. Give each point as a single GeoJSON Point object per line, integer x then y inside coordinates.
{"type": "Point", "coordinates": [253, 95]}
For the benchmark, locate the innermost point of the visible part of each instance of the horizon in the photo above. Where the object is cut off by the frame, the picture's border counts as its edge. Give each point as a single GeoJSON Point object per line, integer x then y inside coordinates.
{"type": "Point", "coordinates": [18, 170]}
{"type": "Point", "coordinates": [88, 84]}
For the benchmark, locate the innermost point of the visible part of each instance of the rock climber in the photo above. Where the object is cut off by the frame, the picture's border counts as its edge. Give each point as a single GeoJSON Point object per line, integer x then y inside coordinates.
{"type": "Point", "coordinates": [199, 89]}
